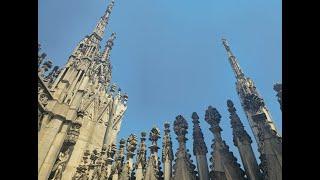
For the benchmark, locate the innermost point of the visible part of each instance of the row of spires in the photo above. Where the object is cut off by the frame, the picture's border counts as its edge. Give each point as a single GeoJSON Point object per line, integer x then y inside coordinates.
{"type": "Point", "coordinates": [224, 165]}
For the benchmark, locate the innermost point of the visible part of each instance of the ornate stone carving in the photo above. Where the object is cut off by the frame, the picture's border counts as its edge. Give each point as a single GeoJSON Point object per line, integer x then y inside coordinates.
{"type": "Point", "coordinates": [82, 170]}
{"type": "Point", "coordinates": [73, 133]}
{"type": "Point", "coordinates": [253, 103]}
{"type": "Point", "coordinates": [117, 167]}
{"type": "Point", "coordinates": [141, 152]}
{"type": "Point", "coordinates": [58, 168]}
{"type": "Point", "coordinates": [131, 145]}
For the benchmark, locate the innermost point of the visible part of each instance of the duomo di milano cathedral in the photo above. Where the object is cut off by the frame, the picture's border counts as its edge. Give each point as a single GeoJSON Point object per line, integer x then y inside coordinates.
{"type": "Point", "coordinates": [80, 114]}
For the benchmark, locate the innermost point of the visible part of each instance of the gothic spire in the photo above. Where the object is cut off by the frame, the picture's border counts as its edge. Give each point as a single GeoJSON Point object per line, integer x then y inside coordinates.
{"type": "Point", "coordinates": [167, 153]}
{"type": "Point", "coordinates": [108, 47]}
{"type": "Point", "coordinates": [141, 157]}
{"type": "Point", "coordinates": [153, 166]}
{"type": "Point", "coordinates": [183, 167]}
{"type": "Point", "coordinates": [128, 165]}
{"type": "Point", "coordinates": [101, 25]}
{"type": "Point", "coordinates": [233, 61]}
{"type": "Point", "coordinates": [199, 146]}
{"type": "Point", "coordinates": [223, 161]}
{"type": "Point", "coordinates": [242, 141]}
{"type": "Point", "coordinates": [237, 127]}
{"type": "Point", "coordinates": [167, 144]}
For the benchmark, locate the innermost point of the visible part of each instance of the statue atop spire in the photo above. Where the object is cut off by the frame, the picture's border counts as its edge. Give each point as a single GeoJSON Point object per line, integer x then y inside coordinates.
{"type": "Point", "coordinates": [233, 61]}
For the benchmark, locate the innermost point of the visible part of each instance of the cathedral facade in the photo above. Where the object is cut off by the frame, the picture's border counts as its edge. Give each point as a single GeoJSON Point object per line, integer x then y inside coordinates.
{"type": "Point", "coordinates": [80, 112]}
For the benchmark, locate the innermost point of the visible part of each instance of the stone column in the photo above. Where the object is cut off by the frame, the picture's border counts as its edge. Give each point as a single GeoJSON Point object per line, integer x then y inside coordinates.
{"type": "Point", "coordinates": [167, 153]}
{"type": "Point", "coordinates": [49, 133]}
{"type": "Point", "coordinates": [53, 153]}
{"type": "Point", "coordinates": [242, 141]}
{"type": "Point", "coordinates": [199, 149]}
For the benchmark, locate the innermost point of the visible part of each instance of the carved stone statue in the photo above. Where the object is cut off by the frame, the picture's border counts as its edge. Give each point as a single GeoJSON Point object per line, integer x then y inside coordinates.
{"type": "Point", "coordinates": [60, 164]}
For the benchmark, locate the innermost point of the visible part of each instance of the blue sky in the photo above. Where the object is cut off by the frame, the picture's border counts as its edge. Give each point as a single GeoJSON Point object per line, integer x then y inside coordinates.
{"type": "Point", "coordinates": [169, 58]}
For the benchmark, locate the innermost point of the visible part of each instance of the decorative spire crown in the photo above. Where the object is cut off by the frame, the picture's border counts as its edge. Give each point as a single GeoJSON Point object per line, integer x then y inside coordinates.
{"type": "Point", "coordinates": [167, 143]}
{"type": "Point", "coordinates": [180, 128]}
{"type": "Point", "coordinates": [213, 117]}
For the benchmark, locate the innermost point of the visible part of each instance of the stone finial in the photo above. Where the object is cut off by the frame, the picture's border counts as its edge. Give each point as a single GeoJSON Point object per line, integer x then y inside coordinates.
{"type": "Point", "coordinates": [167, 143]}
{"type": "Point", "coordinates": [131, 145]}
{"type": "Point", "coordinates": [111, 150]}
{"type": "Point", "coordinates": [180, 128]}
{"type": "Point", "coordinates": [111, 39]}
{"type": "Point", "coordinates": [183, 167]}
{"type": "Point", "coordinates": [199, 146]}
{"type": "Point", "coordinates": [153, 137]}
{"type": "Point", "coordinates": [142, 151]}
{"type": "Point", "coordinates": [213, 117]}
{"type": "Point", "coordinates": [238, 129]}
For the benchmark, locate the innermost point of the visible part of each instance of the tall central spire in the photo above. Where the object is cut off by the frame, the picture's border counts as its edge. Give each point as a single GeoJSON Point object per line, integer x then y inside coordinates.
{"type": "Point", "coordinates": [99, 29]}
{"type": "Point", "coordinates": [233, 61]}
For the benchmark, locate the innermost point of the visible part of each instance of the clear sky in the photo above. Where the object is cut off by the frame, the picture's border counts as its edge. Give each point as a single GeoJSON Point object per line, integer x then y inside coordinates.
{"type": "Point", "coordinates": [169, 58]}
